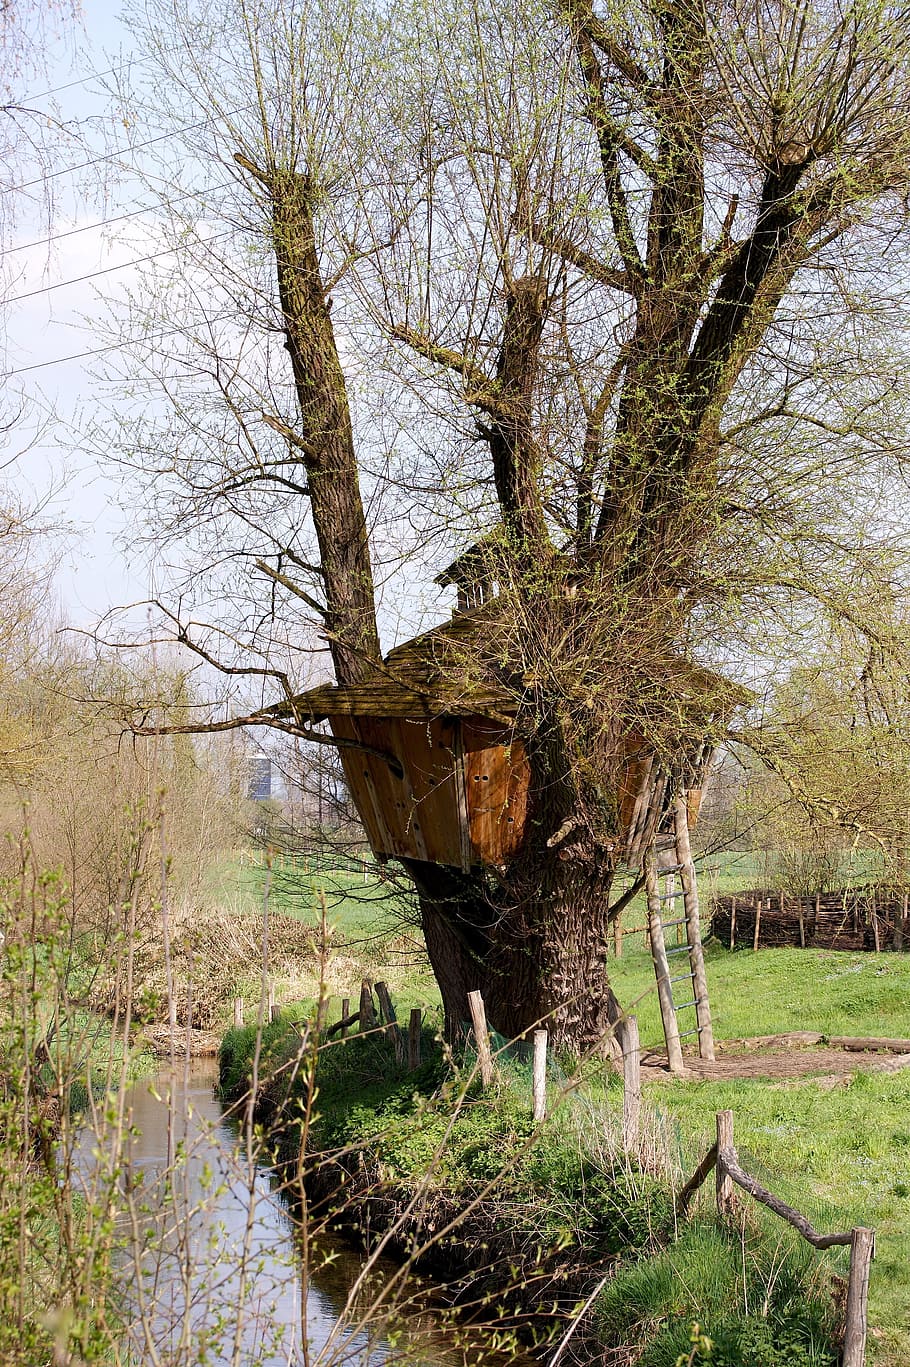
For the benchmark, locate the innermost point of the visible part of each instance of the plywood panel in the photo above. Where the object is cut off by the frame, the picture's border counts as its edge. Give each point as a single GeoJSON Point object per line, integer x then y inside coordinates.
{"type": "Point", "coordinates": [497, 776]}
{"type": "Point", "coordinates": [414, 816]}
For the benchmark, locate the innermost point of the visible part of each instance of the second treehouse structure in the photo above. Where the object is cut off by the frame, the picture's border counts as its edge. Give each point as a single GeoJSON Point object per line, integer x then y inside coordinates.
{"type": "Point", "coordinates": [439, 774]}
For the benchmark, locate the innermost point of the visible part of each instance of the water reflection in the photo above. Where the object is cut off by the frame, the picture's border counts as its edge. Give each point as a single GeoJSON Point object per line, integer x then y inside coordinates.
{"type": "Point", "coordinates": [213, 1272]}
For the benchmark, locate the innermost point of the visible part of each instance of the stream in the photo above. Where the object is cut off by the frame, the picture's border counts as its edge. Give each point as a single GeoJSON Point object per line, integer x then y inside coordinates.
{"type": "Point", "coordinates": [213, 1272]}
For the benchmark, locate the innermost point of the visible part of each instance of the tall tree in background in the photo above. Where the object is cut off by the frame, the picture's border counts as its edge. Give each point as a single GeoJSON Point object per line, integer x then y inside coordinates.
{"type": "Point", "coordinates": [611, 285]}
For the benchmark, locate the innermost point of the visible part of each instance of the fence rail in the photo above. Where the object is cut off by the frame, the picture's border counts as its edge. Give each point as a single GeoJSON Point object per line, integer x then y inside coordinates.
{"type": "Point", "coordinates": [722, 1157]}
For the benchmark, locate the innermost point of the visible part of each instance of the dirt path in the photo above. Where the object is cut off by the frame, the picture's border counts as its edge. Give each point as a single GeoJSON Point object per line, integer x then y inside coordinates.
{"type": "Point", "coordinates": [796, 1055]}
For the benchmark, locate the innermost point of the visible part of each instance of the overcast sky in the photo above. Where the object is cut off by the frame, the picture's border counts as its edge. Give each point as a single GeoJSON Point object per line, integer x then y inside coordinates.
{"type": "Point", "coordinates": [51, 305]}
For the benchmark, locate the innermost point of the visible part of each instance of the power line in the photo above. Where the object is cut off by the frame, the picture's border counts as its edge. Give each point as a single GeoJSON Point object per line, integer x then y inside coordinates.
{"type": "Point", "coordinates": [102, 223]}
{"type": "Point", "coordinates": [114, 156]}
{"type": "Point", "coordinates": [107, 270]}
{"type": "Point", "coordinates": [70, 85]}
{"type": "Point", "coordinates": [94, 351]}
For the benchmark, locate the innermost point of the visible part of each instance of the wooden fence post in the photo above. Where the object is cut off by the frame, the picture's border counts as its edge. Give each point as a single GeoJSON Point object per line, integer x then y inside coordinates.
{"type": "Point", "coordinates": [900, 919]}
{"type": "Point", "coordinates": [755, 937]}
{"type": "Point", "coordinates": [391, 1020]}
{"type": "Point", "coordinates": [862, 1247]}
{"type": "Point", "coordinates": [539, 1084]}
{"type": "Point", "coordinates": [724, 1181]}
{"type": "Point", "coordinates": [345, 1012]}
{"type": "Point", "coordinates": [802, 923]}
{"type": "Point", "coordinates": [238, 1013]}
{"type": "Point", "coordinates": [367, 1011]}
{"type": "Point", "coordinates": [481, 1037]}
{"type": "Point", "coordinates": [414, 1025]}
{"type": "Point", "coordinates": [271, 1002]}
{"type": "Point", "coordinates": [631, 1072]}
{"type": "Point", "coordinates": [732, 922]}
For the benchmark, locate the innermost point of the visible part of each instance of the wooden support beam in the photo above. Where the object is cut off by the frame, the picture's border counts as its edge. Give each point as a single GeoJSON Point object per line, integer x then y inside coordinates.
{"type": "Point", "coordinates": [391, 1021]}
{"type": "Point", "coordinates": [367, 1013]}
{"type": "Point", "coordinates": [662, 966]}
{"type": "Point", "coordinates": [862, 1251]}
{"type": "Point", "coordinates": [724, 1145]}
{"type": "Point", "coordinates": [415, 1022]}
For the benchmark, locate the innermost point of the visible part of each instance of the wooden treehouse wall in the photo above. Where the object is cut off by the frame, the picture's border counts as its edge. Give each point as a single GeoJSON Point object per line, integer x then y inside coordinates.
{"type": "Point", "coordinates": [462, 796]}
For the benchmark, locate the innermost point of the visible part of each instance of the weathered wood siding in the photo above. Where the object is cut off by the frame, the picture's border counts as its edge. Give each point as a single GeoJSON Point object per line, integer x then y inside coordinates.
{"type": "Point", "coordinates": [462, 796]}
{"type": "Point", "coordinates": [497, 777]}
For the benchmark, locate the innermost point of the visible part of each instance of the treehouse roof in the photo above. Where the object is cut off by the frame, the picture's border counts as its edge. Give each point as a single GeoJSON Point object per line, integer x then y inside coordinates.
{"type": "Point", "coordinates": [439, 674]}
{"type": "Point", "coordinates": [435, 766]}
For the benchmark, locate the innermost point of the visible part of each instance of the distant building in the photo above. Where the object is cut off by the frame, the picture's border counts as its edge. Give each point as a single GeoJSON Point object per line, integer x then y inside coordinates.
{"type": "Point", "coordinates": [259, 778]}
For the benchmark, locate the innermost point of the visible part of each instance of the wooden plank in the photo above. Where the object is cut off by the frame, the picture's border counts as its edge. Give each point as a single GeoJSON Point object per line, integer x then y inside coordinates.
{"type": "Point", "coordinates": [367, 1013]}
{"type": "Point", "coordinates": [391, 1020]}
{"type": "Point", "coordinates": [539, 1076]}
{"type": "Point", "coordinates": [414, 1027]}
{"type": "Point", "coordinates": [631, 1073]}
{"type": "Point", "coordinates": [497, 777]}
{"type": "Point", "coordinates": [386, 698]}
{"type": "Point", "coordinates": [465, 851]}
{"type": "Point", "coordinates": [693, 929]}
{"type": "Point", "coordinates": [723, 1147]}
{"type": "Point", "coordinates": [428, 750]}
{"type": "Point", "coordinates": [362, 790]}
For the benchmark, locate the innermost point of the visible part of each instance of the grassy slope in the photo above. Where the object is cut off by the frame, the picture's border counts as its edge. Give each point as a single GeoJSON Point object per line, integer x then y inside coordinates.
{"type": "Point", "coordinates": [841, 1154]}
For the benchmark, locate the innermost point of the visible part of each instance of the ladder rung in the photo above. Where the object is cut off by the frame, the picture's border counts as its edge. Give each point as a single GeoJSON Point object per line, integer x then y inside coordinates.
{"type": "Point", "coordinates": [680, 977]}
{"type": "Point", "coordinates": [668, 896]}
{"type": "Point", "coordinates": [683, 1033]}
{"type": "Point", "coordinates": [671, 868]}
{"type": "Point", "coordinates": [680, 922]}
{"type": "Point", "coordinates": [682, 949]}
{"type": "Point", "coordinates": [681, 1006]}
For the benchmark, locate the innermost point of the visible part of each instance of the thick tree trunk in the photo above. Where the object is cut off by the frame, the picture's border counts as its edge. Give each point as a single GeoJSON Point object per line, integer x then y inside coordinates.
{"type": "Point", "coordinates": [533, 940]}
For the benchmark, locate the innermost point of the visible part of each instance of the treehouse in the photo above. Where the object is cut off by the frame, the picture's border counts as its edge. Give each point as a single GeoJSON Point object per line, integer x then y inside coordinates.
{"type": "Point", "coordinates": [433, 762]}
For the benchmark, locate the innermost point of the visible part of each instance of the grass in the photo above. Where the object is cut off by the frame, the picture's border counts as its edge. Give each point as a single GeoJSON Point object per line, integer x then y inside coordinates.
{"type": "Point", "coordinates": [840, 1154]}
{"type": "Point", "coordinates": [564, 1196]}
{"type": "Point", "coordinates": [776, 990]}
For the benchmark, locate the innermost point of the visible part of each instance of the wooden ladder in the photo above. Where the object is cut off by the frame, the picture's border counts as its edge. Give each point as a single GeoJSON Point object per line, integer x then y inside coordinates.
{"type": "Point", "coordinates": [695, 982]}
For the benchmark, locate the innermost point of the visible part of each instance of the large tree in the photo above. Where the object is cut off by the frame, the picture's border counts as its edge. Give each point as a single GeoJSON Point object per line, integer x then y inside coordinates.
{"type": "Point", "coordinates": [609, 284]}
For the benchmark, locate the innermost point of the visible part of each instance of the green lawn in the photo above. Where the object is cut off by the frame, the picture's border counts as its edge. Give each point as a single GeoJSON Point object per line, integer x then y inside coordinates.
{"type": "Point", "coordinates": [357, 907]}
{"type": "Point", "coordinates": [841, 1154]}
{"type": "Point", "coordinates": [776, 990]}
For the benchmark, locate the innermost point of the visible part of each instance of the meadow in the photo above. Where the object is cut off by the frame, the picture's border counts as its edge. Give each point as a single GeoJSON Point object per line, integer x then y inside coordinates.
{"type": "Point", "coordinates": [837, 1149]}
